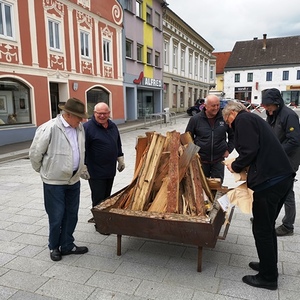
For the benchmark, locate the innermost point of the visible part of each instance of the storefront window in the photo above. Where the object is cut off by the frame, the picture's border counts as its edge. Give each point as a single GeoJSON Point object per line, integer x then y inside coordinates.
{"type": "Point", "coordinates": [95, 96]}
{"type": "Point", "coordinates": [14, 102]}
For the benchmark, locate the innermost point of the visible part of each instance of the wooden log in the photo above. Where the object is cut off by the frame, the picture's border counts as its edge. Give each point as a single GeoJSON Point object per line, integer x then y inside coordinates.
{"type": "Point", "coordinates": [159, 203]}
{"type": "Point", "coordinates": [189, 196]}
{"type": "Point", "coordinates": [197, 187]}
{"type": "Point", "coordinates": [148, 170]}
{"type": "Point", "coordinates": [173, 174]}
{"type": "Point", "coordinates": [185, 139]}
{"type": "Point", "coordinates": [141, 146]}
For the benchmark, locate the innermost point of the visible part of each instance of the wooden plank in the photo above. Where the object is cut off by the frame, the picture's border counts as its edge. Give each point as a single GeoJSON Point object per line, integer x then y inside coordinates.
{"type": "Point", "coordinates": [185, 139]}
{"type": "Point", "coordinates": [148, 170]}
{"type": "Point", "coordinates": [173, 174]}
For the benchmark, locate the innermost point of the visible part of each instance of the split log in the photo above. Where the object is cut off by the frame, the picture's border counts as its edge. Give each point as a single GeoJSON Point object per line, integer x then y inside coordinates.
{"type": "Point", "coordinates": [144, 183]}
{"type": "Point", "coordinates": [185, 139]}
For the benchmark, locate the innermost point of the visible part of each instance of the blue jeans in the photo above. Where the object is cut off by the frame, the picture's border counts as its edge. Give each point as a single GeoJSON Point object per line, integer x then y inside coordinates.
{"type": "Point", "coordinates": [62, 204]}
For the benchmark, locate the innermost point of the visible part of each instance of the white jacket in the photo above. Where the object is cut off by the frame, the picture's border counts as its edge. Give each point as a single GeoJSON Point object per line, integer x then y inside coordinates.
{"type": "Point", "coordinates": [51, 153]}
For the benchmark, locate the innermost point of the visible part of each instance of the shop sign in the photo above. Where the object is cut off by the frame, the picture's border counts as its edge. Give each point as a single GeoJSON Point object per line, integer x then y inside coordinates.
{"type": "Point", "coordinates": [243, 89]}
{"type": "Point", "coordinates": [152, 82]}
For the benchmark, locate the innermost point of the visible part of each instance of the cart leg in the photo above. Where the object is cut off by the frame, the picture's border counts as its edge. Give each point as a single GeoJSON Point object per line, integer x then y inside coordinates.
{"type": "Point", "coordinates": [119, 239]}
{"type": "Point", "coordinates": [199, 266]}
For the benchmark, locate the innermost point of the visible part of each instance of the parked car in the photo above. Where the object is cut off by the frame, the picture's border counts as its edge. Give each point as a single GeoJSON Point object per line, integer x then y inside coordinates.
{"type": "Point", "coordinates": [193, 110]}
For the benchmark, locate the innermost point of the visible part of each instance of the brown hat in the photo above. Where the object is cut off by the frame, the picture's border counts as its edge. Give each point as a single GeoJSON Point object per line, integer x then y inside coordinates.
{"type": "Point", "coordinates": [75, 107]}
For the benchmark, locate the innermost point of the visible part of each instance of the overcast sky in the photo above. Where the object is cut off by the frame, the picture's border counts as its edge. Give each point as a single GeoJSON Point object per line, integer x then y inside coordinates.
{"type": "Point", "coordinates": [224, 22]}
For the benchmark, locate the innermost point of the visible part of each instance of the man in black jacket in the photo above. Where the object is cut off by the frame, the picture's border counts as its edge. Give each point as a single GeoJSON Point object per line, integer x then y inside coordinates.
{"type": "Point", "coordinates": [213, 136]}
{"type": "Point", "coordinates": [285, 124]}
{"type": "Point", "coordinates": [270, 176]}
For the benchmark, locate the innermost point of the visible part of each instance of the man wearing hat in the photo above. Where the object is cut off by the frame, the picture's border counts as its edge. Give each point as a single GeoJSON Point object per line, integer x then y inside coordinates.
{"type": "Point", "coordinates": [57, 153]}
{"type": "Point", "coordinates": [285, 124]}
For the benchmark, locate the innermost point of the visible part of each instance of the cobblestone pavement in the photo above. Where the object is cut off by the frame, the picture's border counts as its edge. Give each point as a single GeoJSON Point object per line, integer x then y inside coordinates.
{"type": "Point", "coordinates": [147, 269]}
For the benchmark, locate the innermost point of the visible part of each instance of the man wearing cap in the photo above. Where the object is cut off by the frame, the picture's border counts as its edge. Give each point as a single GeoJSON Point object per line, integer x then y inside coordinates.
{"type": "Point", "coordinates": [57, 153]}
{"type": "Point", "coordinates": [285, 124]}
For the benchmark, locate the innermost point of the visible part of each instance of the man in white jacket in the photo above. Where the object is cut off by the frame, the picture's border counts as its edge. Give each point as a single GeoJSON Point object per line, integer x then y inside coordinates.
{"type": "Point", "coordinates": [57, 153]}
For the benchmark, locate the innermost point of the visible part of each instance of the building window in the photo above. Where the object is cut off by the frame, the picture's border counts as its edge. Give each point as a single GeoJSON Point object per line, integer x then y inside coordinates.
{"type": "Point", "coordinates": [157, 20]}
{"type": "Point", "coordinates": [128, 49]}
{"type": "Point", "coordinates": [196, 66]}
{"type": "Point", "coordinates": [149, 56]}
{"type": "Point", "coordinates": [249, 77]}
{"type": "Point", "coordinates": [269, 76]}
{"type": "Point", "coordinates": [298, 75]}
{"type": "Point", "coordinates": [138, 10]}
{"type": "Point", "coordinates": [190, 63]}
{"type": "Point", "coordinates": [15, 107]}
{"type": "Point", "coordinates": [237, 77]}
{"type": "Point", "coordinates": [106, 51]}
{"type": "Point", "coordinates": [205, 69]}
{"type": "Point", "coordinates": [139, 52]}
{"type": "Point", "coordinates": [93, 96]}
{"type": "Point", "coordinates": [128, 5]}
{"type": "Point", "coordinates": [201, 67]}
{"type": "Point", "coordinates": [54, 35]}
{"type": "Point", "coordinates": [6, 20]}
{"type": "Point", "coordinates": [166, 53]}
{"type": "Point", "coordinates": [175, 56]}
{"type": "Point", "coordinates": [149, 15]}
{"type": "Point", "coordinates": [182, 60]}
{"type": "Point", "coordinates": [157, 59]}
{"type": "Point", "coordinates": [84, 44]}
{"type": "Point", "coordinates": [211, 73]}
{"type": "Point", "coordinates": [285, 75]}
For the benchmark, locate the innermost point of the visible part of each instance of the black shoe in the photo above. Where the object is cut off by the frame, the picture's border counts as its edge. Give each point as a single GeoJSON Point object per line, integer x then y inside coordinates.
{"type": "Point", "coordinates": [55, 255]}
{"type": "Point", "coordinates": [283, 231]}
{"type": "Point", "coordinates": [251, 219]}
{"type": "Point", "coordinates": [254, 265]}
{"type": "Point", "coordinates": [76, 250]}
{"type": "Point", "coordinates": [91, 220]}
{"type": "Point", "coordinates": [259, 282]}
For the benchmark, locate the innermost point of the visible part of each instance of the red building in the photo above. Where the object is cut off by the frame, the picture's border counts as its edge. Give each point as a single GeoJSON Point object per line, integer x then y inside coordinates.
{"type": "Point", "coordinates": [51, 50]}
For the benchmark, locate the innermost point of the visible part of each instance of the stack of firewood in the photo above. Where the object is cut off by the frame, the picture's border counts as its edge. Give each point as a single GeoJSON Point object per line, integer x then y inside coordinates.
{"type": "Point", "coordinates": [168, 177]}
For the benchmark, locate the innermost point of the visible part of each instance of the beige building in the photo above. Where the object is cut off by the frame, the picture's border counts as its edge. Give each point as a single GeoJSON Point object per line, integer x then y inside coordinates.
{"type": "Point", "coordinates": [189, 66]}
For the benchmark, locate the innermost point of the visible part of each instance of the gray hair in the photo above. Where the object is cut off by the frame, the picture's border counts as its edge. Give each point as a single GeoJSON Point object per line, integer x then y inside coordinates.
{"type": "Point", "coordinates": [232, 106]}
{"type": "Point", "coordinates": [211, 97]}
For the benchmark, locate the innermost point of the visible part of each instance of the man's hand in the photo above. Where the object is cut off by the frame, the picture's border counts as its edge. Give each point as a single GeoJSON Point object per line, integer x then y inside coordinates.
{"type": "Point", "coordinates": [121, 164]}
{"type": "Point", "coordinates": [85, 173]}
{"type": "Point", "coordinates": [226, 154]}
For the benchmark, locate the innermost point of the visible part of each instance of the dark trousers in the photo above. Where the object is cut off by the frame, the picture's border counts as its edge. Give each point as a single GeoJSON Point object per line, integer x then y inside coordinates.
{"type": "Point", "coordinates": [290, 210]}
{"type": "Point", "coordinates": [100, 189]}
{"type": "Point", "coordinates": [214, 170]}
{"type": "Point", "coordinates": [62, 204]}
{"type": "Point", "coordinates": [266, 207]}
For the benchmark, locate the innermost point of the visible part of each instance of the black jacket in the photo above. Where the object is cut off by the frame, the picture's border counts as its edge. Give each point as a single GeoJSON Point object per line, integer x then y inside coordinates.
{"type": "Point", "coordinates": [285, 123]}
{"type": "Point", "coordinates": [102, 148]}
{"type": "Point", "coordinates": [258, 148]}
{"type": "Point", "coordinates": [213, 141]}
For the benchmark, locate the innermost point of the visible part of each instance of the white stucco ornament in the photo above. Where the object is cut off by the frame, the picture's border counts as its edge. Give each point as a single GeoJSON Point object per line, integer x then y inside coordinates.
{"type": "Point", "coordinates": [117, 14]}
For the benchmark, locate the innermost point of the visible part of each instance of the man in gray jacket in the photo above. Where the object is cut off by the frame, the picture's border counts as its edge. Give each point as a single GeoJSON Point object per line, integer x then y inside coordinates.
{"type": "Point", "coordinates": [57, 153]}
{"type": "Point", "coordinates": [285, 124]}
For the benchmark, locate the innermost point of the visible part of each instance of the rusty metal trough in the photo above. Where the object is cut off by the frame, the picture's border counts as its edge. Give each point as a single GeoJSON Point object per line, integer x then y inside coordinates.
{"type": "Point", "coordinates": [199, 231]}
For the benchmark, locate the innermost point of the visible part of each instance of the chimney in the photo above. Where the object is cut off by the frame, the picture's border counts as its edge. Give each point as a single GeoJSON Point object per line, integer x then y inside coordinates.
{"type": "Point", "coordinates": [255, 38]}
{"type": "Point", "coordinates": [264, 41]}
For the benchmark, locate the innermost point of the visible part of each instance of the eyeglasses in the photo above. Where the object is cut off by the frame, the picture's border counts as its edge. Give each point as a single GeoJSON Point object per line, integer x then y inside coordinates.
{"type": "Point", "coordinates": [101, 113]}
